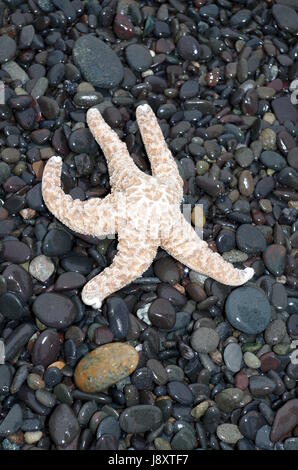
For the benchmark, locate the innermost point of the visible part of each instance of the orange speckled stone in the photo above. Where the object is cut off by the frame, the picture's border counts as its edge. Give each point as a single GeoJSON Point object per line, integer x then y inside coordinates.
{"type": "Point", "coordinates": [104, 366]}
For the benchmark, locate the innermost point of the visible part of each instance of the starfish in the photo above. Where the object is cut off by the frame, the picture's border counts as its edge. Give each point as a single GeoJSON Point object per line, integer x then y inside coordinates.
{"type": "Point", "coordinates": [144, 210]}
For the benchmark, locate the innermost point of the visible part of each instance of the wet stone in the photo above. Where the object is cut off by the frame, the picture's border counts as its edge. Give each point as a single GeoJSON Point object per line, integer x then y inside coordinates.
{"type": "Point", "coordinates": [63, 425]}
{"type": "Point", "coordinates": [109, 425]}
{"type": "Point", "coordinates": [286, 18]}
{"type": "Point", "coordinates": [204, 340]}
{"type": "Point", "coordinates": [142, 378]}
{"type": "Point", "coordinates": [272, 160]}
{"type": "Point", "coordinates": [105, 366]}
{"type": "Point", "coordinates": [248, 310]}
{"type": "Point", "coordinates": [104, 72]}
{"type": "Point", "coordinates": [162, 314]}
{"type": "Point", "coordinates": [56, 243]}
{"type": "Point", "coordinates": [250, 423]}
{"type": "Point", "coordinates": [229, 399]}
{"type": "Point", "coordinates": [166, 270]}
{"type": "Point", "coordinates": [7, 48]}
{"type": "Point", "coordinates": [12, 422]}
{"type": "Point", "coordinates": [12, 306]}
{"type": "Point", "coordinates": [5, 379]}
{"type": "Point", "coordinates": [118, 316]}
{"type": "Point", "coordinates": [140, 418]}
{"type": "Point", "coordinates": [179, 392]}
{"type": "Point", "coordinates": [261, 385]}
{"type": "Point", "coordinates": [138, 57]}
{"type": "Point", "coordinates": [46, 348]}
{"type": "Point", "coordinates": [250, 239]}
{"type": "Point", "coordinates": [188, 48]}
{"type": "Point", "coordinates": [54, 310]}
{"type": "Point", "coordinates": [275, 259]}
{"type": "Point", "coordinates": [285, 420]}
{"type": "Point", "coordinates": [233, 357]}
{"type": "Point", "coordinates": [41, 268]}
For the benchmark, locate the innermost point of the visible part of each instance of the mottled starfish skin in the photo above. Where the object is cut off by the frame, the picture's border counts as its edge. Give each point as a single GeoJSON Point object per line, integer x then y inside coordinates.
{"type": "Point", "coordinates": [135, 199]}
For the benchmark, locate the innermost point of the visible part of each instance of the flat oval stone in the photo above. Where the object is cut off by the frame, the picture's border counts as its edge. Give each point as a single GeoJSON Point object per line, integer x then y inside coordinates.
{"type": "Point", "coordinates": [18, 281]}
{"type": "Point", "coordinates": [180, 392]}
{"type": "Point", "coordinates": [285, 420]}
{"type": "Point", "coordinates": [248, 310]}
{"type": "Point", "coordinates": [204, 340]}
{"type": "Point", "coordinates": [46, 348]}
{"type": "Point", "coordinates": [162, 314]}
{"type": "Point", "coordinates": [233, 357]}
{"type": "Point", "coordinates": [140, 418]}
{"type": "Point", "coordinates": [54, 310]}
{"type": "Point", "coordinates": [250, 239]}
{"type": "Point", "coordinates": [15, 251]}
{"type": "Point", "coordinates": [11, 306]}
{"type": "Point", "coordinates": [275, 259]}
{"type": "Point", "coordinates": [118, 316]}
{"type": "Point", "coordinates": [138, 57]}
{"type": "Point", "coordinates": [105, 366]}
{"type": "Point", "coordinates": [98, 63]}
{"type": "Point", "coordinates": [63, 425]}
{"type": "Point", "coordinates": [12, 422]}
{"type": "Point", "coordinates": [56, 243]}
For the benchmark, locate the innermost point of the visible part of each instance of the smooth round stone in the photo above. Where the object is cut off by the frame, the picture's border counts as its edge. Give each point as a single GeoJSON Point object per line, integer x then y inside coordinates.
{"type": "Point", "coordinates": [189, 89]}
{"type": "Point", "coordinates": [138, 57]}
{"type": "Point", "coordinates": [81, 141]}
{"type": "Point", "coordinates": [246, 183]}
{"type": "Point", "coordinates": [140, 418]}
{"type": "Point", "coordinates": [77, 263]}
{"type": "Point", "coordinates": [250, 423]}
{"type": "Point", "coordinates": [109, 425]}
{"type": "Point", "coordinates": [168, 292]}
{"type": "Point", "coordinates": [250, 239]}
{"type": "Point", "coordinates": [179, 392]}
{"type": "Point", "coordinates": [188, 47]}
{"type": "Point", "coordinates": [160, 375]}
{"type": "Point", "coordinates": [228, 433]}
{"type": "Point", "coordinates": [46, 348]}
{"type": "Point", "coordinates": [286, 18]}
{"type": "Point", "coordinates": [286, 419]}
{"type": "Point", "coordinates": [41, 268]}
{"type": "Point", "coordinates": [233, 357]}
{"type": "Point", "coordinates": [248, 310]}
{"type": "Point", "coordinates": [292, 325]}
{"type": "Point", "coordinates": [251, 360]}
{"type": "Point", "coordinates": [118, 316]}
{"type": "Point", "coordinates": [63, 425]}
{"type": "Point", "coordinates": [105, 366]}
{"type": "Point", "coordinates": [229, 399]}
{"type": "Point", "coordinates": [18, 280]}
{"type": "Point", "coordinates": [204, 340]}
{"type": "Point", "coordinates": [98, 63]}
{"type": "Point", "coordinates": [162, 314]}
{"type": "Point", "coordinates": [52, 377]}
{"type": "Point", "coordinates": [12, 421]}
{"type": "Point", "coordinates": [184, 440]}
{"type": "Point", "coordinates": [142, 378]}
{"type": "Point", "coordinates": [275, 259]}
{"type": "Point", "coordinates": [54, 310]}
{"type": "Point", "coordinates": [7, 48]}
{"type": "Point", "coordinates": [260, 385]}
{"type": "Point", "coordinates": [175, 373]}
{"type": "Point", "coordinates": [275, 332]}
{"type": "Point", "coordinates": [12, 306]}
{"type": "Point", "coordinates": [166, 270]}
{"type": "Point", "coordinates": [272, 160]}
{"type": "Point", "coordinates": [244, 156]}
{"type": "Point", "coordinates": [56, 243]}
{"type": "Point", "coordinates": [107, 442]}
{"type": "Point", "coordinates": [263, 438]}
{"type": "Point", "coordinates": [70, 280]}
{"type": "Point", "coordinates": [15, 251]}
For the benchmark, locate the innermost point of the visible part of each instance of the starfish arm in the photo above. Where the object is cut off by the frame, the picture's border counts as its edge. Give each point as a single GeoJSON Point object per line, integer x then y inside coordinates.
{"type": "Point", "coordinates": [132, 259]}
{"type": "Point", "coordinates": [92, 217]}
{"type": "Point", "coordinates": [121, 165]}
{"type": "Point", "coordinates": [188, 248]}
{"type": "Point", "coordinates": [162, 162]}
